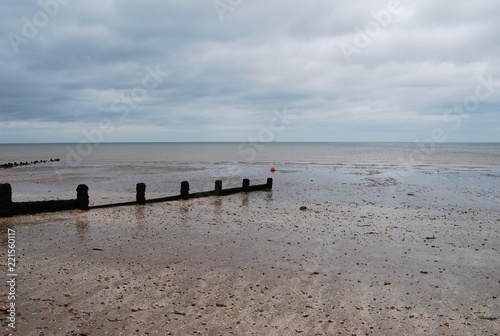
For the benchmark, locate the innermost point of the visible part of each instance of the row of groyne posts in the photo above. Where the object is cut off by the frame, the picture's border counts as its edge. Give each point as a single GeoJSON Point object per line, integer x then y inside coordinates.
{"type": "Point", "coordinates": [9, 208]}
{"type": "Point", "coordinates": [27, 163]}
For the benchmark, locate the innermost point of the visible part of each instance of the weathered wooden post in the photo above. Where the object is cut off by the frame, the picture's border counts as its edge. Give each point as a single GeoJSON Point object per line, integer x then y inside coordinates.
{"type": "Point", "coordinates": [218, 188]}
{"type": "Point", "coordinates": [5, 200]}
{"type": "Point", "coordinates": [82, 197]}
{"type": "Point", "coordinates": [185, 190]}
{"type": "Point", "coordinates": [269, 183]}
{"type": "Point", "coordinates": [140, 195]}
{"type": "Point", "coordinates": [246, 184]}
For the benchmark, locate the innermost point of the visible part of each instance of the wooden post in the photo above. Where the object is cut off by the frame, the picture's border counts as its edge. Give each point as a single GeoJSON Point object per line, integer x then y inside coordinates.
{"type": "Point", "coordinates": [82, 197]}
{"type": "Point", "coordinates": [185, 190]}
{"type": "Point", "coordinates": [218, 188]}
{"type": "Point", "coordinates": [269, 183]}
{"type": "Point", "coordinates": [5, 200]}
{"type": "Point", "coordinates": [140, 195]}
{"type": "Point", "coordinates": [246, 184]}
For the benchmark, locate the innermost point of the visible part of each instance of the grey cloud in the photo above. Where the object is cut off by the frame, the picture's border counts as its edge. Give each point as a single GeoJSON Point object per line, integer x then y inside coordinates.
{"type": "Point", "coordinates": [262, 56]}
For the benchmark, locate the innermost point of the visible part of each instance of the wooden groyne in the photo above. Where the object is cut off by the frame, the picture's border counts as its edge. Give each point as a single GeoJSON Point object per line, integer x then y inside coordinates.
{"type": "Point", "coordinates": [81, 202]}
{"type": "Point", "coordinates": [26, 163]}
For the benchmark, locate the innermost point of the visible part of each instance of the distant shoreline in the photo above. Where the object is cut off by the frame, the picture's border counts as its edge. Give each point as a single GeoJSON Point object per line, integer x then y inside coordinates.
{"type": "Point", "coordinates": [238, 142]}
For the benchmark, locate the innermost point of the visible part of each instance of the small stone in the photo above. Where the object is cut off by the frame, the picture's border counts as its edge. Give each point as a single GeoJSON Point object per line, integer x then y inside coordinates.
{"type": "Point", "coordinates": [303, 208]}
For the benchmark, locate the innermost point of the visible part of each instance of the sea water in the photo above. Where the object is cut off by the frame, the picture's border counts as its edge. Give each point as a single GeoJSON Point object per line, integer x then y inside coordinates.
{"type": "Point", "coordinates": [111, 170]}
{"type": "Point", "coordinates": [385, 154]}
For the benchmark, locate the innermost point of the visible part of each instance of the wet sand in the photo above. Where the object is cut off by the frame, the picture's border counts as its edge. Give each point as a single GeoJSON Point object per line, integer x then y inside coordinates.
{"type": "Point", "coordinates": [368, 256]}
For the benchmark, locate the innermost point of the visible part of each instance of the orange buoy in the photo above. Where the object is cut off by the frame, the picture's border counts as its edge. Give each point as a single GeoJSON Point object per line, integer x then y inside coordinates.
{"type": "Point", "coordinates": [273, 169]}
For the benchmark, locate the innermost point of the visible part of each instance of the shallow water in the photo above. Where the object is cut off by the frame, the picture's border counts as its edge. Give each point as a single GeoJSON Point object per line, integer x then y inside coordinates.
{"type": "Point", "coordinates": [112, 170]}
{"type": "Point", "coordinates": [384, 154]}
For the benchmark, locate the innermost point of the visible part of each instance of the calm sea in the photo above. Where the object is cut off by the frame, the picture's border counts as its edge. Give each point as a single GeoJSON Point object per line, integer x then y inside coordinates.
{"type": "Point", "coordinates": [452, 155]}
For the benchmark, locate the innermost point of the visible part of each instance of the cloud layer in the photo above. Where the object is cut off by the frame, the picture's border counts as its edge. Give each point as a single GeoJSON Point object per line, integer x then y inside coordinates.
{"type": "Point", "coordinates": [345, 71]}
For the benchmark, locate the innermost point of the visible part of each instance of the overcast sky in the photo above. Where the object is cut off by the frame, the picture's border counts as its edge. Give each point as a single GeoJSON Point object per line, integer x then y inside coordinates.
{"type": "Point", "coordinates": [204, 70]}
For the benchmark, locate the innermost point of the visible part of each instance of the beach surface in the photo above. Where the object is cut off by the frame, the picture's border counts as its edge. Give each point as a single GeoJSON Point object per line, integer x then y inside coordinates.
{"type": "Point", "coordinates": [326, 252]}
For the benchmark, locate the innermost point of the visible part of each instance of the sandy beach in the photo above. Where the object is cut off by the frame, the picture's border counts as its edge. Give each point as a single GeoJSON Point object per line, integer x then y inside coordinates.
{"type": "Point", "coordinates": [366, 256]}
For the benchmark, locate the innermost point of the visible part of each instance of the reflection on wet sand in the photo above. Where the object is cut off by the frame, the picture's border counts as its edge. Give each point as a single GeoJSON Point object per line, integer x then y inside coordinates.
{"type": "Point", "coordinates": [217, 207]}
{"type": "Point", "coordinates": [244, 199]}
{"type": "Point", "coordinates": [184, 214]}
{"type": "Point", "coordinates": [4, 227]}
{"type": "Point", "coordinates": [140, 216]}
{"type": "Point", "coordinates": [82, 227]}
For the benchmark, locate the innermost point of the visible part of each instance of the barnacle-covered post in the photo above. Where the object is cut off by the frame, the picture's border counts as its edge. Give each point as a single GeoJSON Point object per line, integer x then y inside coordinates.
{"type": "Point", "coordinates": [185, 190]}
{"type": "Point", "coordinates": [82, 197]}
{"type": "Point", "coordinates": [140, 193]}
{"type": "Point", "coordinates": [5, 200]}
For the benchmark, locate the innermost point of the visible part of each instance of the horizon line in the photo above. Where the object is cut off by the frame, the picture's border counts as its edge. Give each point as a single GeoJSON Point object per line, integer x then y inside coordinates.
{"type": "Point", "coordinates": [231, 142]}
